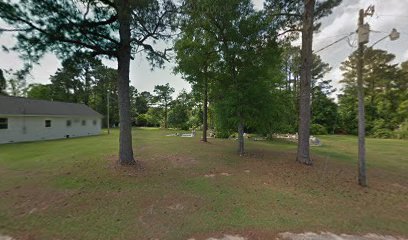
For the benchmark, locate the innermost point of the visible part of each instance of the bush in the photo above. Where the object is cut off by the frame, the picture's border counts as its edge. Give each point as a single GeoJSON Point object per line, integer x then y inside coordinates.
{"type": "Point", "coordinates": [401, 134]}
{"type": "Point", "coordinates": [383, 133]}
{"type": "Point", "coordinates": [317, 129]}
{"type": "Point", "coordinates": [402, 131]}
{"type": "Point", "coordinates": [141, 120]}
{"type": "Point", "coordinates": [222, 133]}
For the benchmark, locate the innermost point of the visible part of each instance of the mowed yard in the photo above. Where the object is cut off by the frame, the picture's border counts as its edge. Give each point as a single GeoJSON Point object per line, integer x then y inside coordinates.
{"type": "Point", "coordinates": [73, 189]}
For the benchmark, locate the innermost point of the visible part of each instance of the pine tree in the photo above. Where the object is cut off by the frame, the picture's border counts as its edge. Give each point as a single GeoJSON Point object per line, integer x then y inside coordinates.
{"type": "Point", "coordinates": [116, 29]}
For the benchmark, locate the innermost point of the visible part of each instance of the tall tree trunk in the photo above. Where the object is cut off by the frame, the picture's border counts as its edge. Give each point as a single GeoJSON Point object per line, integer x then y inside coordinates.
{"type": "Point", "coordinates": [205, 110]}
{"type": "Point", "coordinates": [125, 136]}
{"type": "Point", "coordinates": [241, 149]}
{"type": "Point", "coordinates": [165, 115]}
{"type": "Point", "coordinates": [87, 86]}
{"type": "Point", "coordinates": [303, 152]}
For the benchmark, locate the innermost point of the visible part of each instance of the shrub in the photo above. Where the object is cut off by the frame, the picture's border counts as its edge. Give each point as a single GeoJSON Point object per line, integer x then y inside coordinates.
{"type": "Point", "coordinates": [317, 129]}
{"type": "Point", "coordinates": [402, 131]}
{"type": "Point", "coordinates": [141, 120]}
{"type": "Point", "coordinates": [383, 133]}
{"type": "Point", "coordinates": [222, 133]}
{"type": "Point", "coordinates": [401, 134]}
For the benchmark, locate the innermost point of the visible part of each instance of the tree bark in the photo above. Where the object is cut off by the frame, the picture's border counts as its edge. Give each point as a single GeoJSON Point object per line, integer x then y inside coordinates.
{"type": "Point", "coordinates": [205, 110]}
{"type": "Point", "coordinates": [241, 149]}
{"type": "Point", "coordinates": [165, 115]}
{"type": "Point", "coordinates": [303, 152]}
{"type": "Point", "coordinates": [87, 86]}
{"type": "Point", "coordinates": [124, 54]}
{"type": "Point", "coordinates": [361, 111]}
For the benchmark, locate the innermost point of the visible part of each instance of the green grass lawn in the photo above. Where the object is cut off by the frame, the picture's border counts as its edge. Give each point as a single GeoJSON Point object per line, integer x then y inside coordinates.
{"type": "Point", "coordinates": [73, 189]}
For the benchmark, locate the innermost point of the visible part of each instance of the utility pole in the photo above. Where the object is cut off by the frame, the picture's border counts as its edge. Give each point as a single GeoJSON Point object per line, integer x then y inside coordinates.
{"type": "Point", "coordinates": [362, 180]}
{"type": "Point", "coordinates": [108, 106]}
{"type": "Point", "coordinates": [363, 38]}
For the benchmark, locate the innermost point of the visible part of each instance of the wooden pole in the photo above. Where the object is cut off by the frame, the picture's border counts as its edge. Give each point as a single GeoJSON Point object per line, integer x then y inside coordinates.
{"type": "Point", "coordinates": [362, 180]}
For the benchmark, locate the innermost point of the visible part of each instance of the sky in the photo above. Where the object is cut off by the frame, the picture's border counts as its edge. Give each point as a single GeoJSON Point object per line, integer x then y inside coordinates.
{"type": "Point", "coordinates": [389, 14]}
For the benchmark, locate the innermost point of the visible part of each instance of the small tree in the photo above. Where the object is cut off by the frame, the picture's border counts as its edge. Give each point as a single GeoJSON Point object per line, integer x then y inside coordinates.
{"type": "Point", "coordinates": [235, 33]}
{"type": "Point", "coordinates": [196, 59]}
{"type": "Point", "coordinates": [163, 99]}
{"type": "Point", "coordinates": [180, 111]}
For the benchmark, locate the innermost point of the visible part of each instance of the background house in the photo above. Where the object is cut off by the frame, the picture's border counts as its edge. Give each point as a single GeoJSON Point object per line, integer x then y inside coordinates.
{"type": "Point", "coordinates": [23, 119]}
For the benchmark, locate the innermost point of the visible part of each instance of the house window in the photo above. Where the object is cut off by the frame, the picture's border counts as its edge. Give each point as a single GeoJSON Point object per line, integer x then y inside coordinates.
{"type": "Point", "coordinates": [69, 123]}
{"type": "Point", "coordinates": [94, 122]}
{"type": "Point", "coordinates": [47, 123]}
{"type": "Point", "coordinates": [3, 123]}
{"type": "Point", "coordinates": [83, 122]}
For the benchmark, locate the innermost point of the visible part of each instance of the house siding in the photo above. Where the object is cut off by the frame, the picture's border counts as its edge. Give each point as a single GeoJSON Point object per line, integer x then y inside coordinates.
{"type": "Point", "coordinates": [32, 128]}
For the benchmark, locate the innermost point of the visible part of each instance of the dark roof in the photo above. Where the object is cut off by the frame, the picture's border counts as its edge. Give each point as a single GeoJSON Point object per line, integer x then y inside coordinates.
{"type": "Point", "coordinates": [24, 106]}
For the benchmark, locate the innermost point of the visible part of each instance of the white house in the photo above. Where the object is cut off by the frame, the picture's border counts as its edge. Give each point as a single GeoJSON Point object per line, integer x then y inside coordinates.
{"type": "Point", "coordinates": [23, 120]}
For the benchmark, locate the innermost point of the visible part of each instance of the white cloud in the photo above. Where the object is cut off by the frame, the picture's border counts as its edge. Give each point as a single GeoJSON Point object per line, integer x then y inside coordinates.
{"type": "Point", "coordinates": [406, 56]}
{"type": "Point", "coordinates": [258, 3]}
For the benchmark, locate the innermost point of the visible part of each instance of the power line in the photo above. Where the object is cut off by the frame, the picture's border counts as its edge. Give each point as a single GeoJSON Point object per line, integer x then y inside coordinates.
{"type": "Point", "coordinates": [339, 40]}
{"type": "Point", "coordinates": [375, 31]}
{"type": "Point", "coordinates": [334, 36]}
{"type": "Point", "coordinates": [390, 15]}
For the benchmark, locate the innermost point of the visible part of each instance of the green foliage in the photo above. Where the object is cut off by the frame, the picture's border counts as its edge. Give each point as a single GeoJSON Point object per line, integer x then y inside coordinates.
{"type": "Point", "coordinates": [243, 64]}
{"type": "Point", "coordinates": [402, 131]}
{"type": "Point", "coordinates": [142, 102]}
{"type": "Point", "coordinates": [287, 14]}
{"type": "Point", "coordinates": [382, 133]}
{"type": "Point", "coordinates": [317, 129]}
{"type": "Point", "coordinates": [142, 120]}
{"type": "Point", "coordinates": [324, 109]}
{"type": "Point", "coordinates": [162, 98]}
{"type": "Point", "coordinates": [87, 25]}
{"type": "Point", "coordinates": [154, 117]}
{"type": "Point", "coordinates": [39, 91]}
{"type": "Point", "coordinates": [3, 83]}
{"type": "Point", "coordinates": [74, 81]}
{"type": "Point", "coordinates": [223, 133]}
{"type": "Point", "coordinates": [149, 119]}
{"type": "Point", "coordinates": [386, 95]}
{"type": "Point", "coordinates": [180, 111]}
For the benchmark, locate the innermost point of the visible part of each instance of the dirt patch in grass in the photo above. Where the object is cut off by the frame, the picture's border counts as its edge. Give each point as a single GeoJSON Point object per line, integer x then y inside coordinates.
{"type": "Point", "coordinates": [156, 165]}
{"type": "Point", "coordinates": [164, 214]}
{"type": "Point", "coordinates": [130, 170]}
{"type": "Point", "coordinates": [236, 235]}
{"type": "Point", "coordinates": [260, 235]}
{"type": "Point", "coordinates": [35, 200]}
{"type": "Point", "coordinates": [229, 237]}
{"type": "Point", "coordinates": [2, 237]}
{"type": "Point", "coordinates": [332, 236]}
{"type": "Point", "coordinates": [276, 167]}
{"type": "Point", "coordinates": [255, 154]}
{"type": "Point", "coordinates": [176, 160]}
